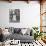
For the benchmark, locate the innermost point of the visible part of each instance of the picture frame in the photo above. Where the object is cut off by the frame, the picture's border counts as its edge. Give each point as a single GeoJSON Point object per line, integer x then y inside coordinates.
{"type": "Point", "coordinates": [14, 15]}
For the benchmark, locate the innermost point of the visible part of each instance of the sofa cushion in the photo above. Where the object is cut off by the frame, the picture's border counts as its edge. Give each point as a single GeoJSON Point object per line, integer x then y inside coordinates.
{"type": "Point", "coordinates": [11, 30]}
{"type": "Point", "coordinates": [23, 31]}
{"type": "Point", "coordinates": [20, 37]}
{"type": "Point", "coordinates": [17, 30]}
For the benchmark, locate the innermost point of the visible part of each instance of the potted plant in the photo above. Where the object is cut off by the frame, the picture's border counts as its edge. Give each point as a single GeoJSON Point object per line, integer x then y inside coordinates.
{"type": "Point", "coordinates": [36, 32]}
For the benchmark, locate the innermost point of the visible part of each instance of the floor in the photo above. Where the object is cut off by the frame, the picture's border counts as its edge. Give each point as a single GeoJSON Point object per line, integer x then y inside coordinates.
{"type": "Point", "coordinates": [35, 43]}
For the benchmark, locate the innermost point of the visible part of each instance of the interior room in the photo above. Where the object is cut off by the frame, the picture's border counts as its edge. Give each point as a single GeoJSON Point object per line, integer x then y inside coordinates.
{"type": "Point", "coordinates": [22, 22]}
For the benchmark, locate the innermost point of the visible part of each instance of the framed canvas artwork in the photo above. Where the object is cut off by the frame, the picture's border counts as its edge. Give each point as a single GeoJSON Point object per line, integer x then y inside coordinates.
{"type": "Point", "coordinates": [14, 15]}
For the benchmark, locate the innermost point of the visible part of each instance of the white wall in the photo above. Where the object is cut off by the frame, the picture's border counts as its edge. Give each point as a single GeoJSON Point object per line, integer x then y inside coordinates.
{"type": "Point", "coordinates": [29, 14]}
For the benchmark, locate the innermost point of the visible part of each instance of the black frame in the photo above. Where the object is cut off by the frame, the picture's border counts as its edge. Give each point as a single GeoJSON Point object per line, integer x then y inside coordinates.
{"type": "Point", "coordinates": [14, 13]}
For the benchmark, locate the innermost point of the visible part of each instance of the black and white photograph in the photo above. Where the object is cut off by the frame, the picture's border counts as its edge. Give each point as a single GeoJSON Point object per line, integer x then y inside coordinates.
{"type": "Point", "coordinates": [14, 15]}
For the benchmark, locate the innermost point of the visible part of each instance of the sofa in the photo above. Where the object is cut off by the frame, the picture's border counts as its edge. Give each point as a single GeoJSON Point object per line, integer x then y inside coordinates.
{"type": "Point", "coordinates": [17, 34]}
